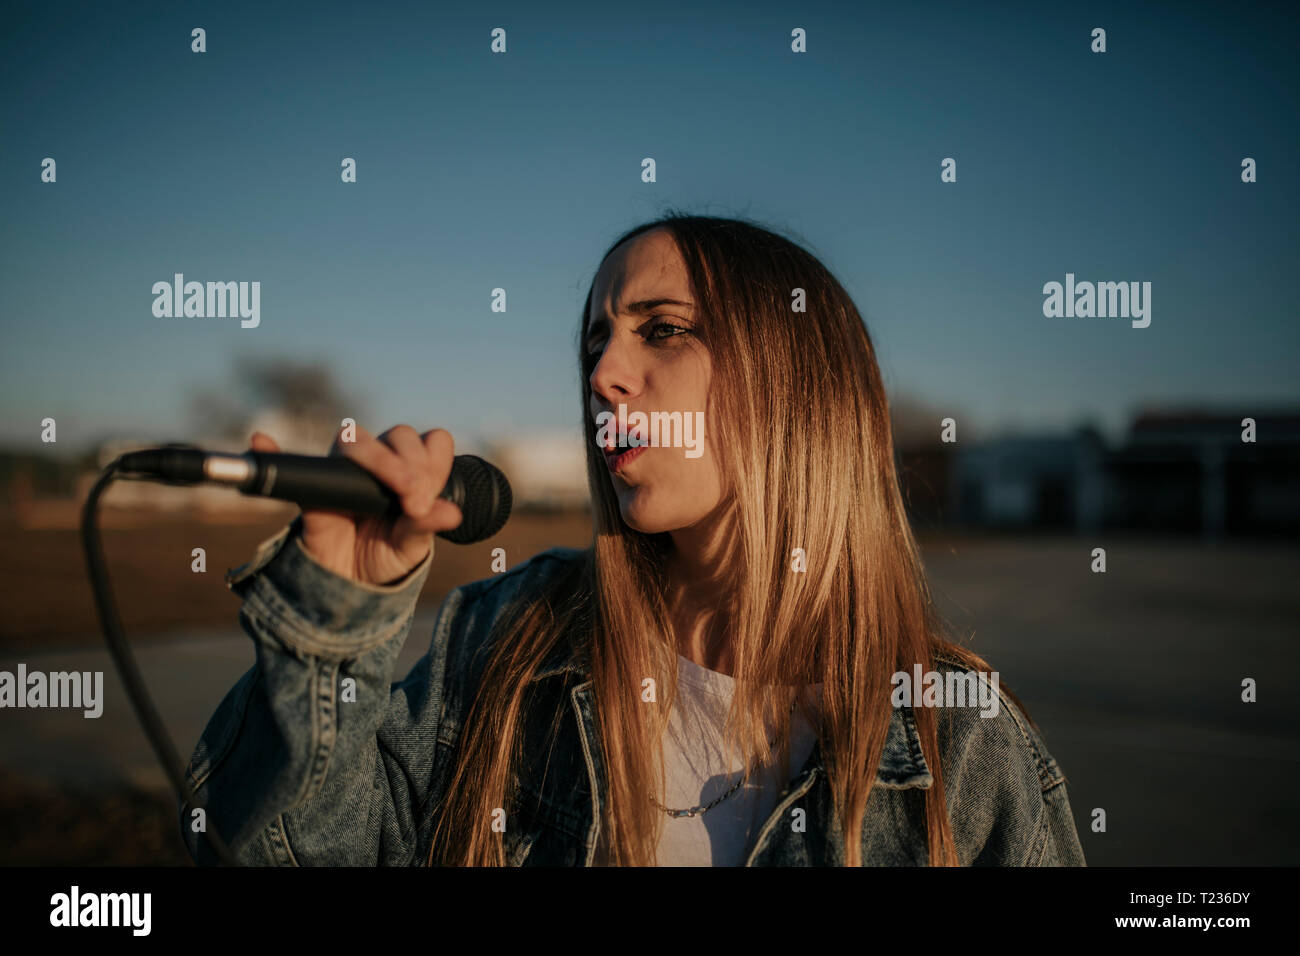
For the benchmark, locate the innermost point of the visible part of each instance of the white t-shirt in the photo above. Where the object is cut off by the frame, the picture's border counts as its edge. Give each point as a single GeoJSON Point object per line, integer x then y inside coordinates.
{"type": "Point", "coordinates": [697, 773]}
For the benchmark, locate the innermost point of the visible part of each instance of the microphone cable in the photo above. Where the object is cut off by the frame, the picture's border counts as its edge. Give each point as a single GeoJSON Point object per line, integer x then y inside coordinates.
{"type": "Point", "coordinates": [127, 668]}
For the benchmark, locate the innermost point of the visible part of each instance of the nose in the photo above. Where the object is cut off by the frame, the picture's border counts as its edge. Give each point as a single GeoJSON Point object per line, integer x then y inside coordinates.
{"type": "Point", "coordinates": [615, 376]}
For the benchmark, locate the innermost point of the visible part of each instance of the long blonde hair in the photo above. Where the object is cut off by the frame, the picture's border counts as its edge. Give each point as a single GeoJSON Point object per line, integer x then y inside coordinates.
{"type": "Point", "coordinates": [800, 423]}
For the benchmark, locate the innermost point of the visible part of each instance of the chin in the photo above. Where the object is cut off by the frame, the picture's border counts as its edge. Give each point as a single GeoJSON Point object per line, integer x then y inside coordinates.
{"type": "Point", "coordinates": [642, 513]}
{"type": "Point", "coordinates": [638, 510]}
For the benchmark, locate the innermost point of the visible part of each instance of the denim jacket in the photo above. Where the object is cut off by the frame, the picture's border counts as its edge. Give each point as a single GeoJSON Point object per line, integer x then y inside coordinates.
{"type": "Point", "coordinates": [316, 757]}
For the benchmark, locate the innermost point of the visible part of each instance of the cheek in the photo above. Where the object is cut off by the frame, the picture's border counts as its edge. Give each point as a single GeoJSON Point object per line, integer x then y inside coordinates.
{"type": "Point", "coordinates": [700, 475]}
{"type": "Point", "coordinates": [676, 494]}
{"type": "Point", "coordinates": [689, 486]}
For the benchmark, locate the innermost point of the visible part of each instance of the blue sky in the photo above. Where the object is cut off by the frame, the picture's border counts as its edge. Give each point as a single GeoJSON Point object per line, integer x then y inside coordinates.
{"type": "Point", "coordinates": [478, 170]}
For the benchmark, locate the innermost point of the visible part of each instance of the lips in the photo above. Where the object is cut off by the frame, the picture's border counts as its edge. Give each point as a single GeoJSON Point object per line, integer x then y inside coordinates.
{"type": "Point", "coordinates": [617, 459]}
{"type": "Point", "coordinates": [631, 444]}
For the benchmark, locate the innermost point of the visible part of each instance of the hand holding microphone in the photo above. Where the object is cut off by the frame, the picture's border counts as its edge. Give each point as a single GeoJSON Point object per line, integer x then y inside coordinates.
{"type": "Point", "coordinates": [373, 549]}
{"type": "Point", "coordinates": [370, 508]}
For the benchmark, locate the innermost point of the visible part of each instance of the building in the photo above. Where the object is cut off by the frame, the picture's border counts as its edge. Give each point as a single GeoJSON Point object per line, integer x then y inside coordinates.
{"type": "Point", "coordinates": [1187, 472]}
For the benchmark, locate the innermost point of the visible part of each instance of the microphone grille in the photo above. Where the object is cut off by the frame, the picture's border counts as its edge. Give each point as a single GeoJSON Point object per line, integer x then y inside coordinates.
{"type": "Point", "coordinates": [483, 495]}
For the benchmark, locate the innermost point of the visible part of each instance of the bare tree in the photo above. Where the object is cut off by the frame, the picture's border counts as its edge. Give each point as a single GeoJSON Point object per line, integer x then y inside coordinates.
{"type": "Point", "coordinates": [305, 392]}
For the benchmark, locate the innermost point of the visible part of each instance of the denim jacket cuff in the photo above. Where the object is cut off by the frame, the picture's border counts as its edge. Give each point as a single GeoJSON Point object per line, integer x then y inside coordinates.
{"type": "Point", "coordinates": [317, 612]}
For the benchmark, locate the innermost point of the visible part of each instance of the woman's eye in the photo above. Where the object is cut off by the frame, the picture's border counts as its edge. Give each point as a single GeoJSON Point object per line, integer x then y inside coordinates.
{"type": "Point", "coordinates": [674, 329]}
{"type": "Point", "coordinates": [667, 329]}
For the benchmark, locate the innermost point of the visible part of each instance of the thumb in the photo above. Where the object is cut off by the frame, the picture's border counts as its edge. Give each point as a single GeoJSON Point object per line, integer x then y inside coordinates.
{"type": "Point", "coordinates": [263, 442]}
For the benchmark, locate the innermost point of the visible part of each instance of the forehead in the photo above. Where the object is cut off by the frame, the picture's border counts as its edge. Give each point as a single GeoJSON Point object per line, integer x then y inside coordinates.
{"type": "Point", "coordinates": [648, 266]}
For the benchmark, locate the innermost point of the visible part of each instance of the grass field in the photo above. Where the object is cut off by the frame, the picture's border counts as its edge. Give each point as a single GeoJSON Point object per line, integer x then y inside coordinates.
{"type": "Point", "coordinates": [45, 598]}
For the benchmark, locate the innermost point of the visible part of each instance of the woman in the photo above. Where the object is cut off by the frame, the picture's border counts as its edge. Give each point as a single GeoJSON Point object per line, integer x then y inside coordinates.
{"type": "Point", "coordinates": [713, 681]}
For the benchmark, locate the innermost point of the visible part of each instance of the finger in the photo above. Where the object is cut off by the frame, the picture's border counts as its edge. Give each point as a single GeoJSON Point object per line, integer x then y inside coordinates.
{"type": "Point", "coordinates": [443, 516]}
{"type": "Point", "coordinates": [260, 441]}
{"type": "Point", "coordinates": [437, 449]}
{"type": "Point", "coordinates": [442, 450]}
{"type": "Point", "coordinates": [378, 459]}
{"type": "Point", "coordinates": [404, 440]}
{"type": "Point", "coordinates": [419, 499]}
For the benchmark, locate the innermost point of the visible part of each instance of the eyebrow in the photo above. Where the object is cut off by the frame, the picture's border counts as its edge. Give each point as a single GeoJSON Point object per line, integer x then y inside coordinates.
{"type": "Point", "coordinates": [639, 308]}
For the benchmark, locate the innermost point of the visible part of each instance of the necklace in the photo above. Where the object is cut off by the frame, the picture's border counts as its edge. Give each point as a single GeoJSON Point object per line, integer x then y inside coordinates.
{"type": "Point", "coordinates": [697, 810]}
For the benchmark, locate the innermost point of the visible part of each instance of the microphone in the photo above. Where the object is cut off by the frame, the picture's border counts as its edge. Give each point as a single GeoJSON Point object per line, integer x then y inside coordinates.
{"type": "Point", "coordinates": [475, 486]}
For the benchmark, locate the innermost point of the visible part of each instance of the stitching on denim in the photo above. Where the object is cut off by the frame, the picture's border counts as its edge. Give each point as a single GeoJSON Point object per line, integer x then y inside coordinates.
{"type": "Point", "coordinates": [214, 762]}
{"type": "Point", "coordinates": [324, 716]}
{"type": "Point", "coordinates": [304, 788]}
{"type": "Point", "coordinates": [593, 836]}
{"type": "Point", "coordinates": [241, 711]}
{"type": "Point", "coordinates": [919, 769]}
{"type": "Point", "coordinates": [1046, 779]}
{"type": "Point", "coordinates": [439, 674]}
{"type": "Point", "coordinates": [1055, 784]}
{"type": "Point", "coordinates": [277, 841]}
{"type": "Point", "coordinates": [381, 790]}
{"type": "Point", "coordinates": [266, 551]}
{"type": "Point", "coordinates": [291, 628]}
{"type": "Point", "coordinates": [760, 843]}
{"type": "Point", "coordinates": [915, 753]}
{"type": "Point", "coordinates": [1040, 839]}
